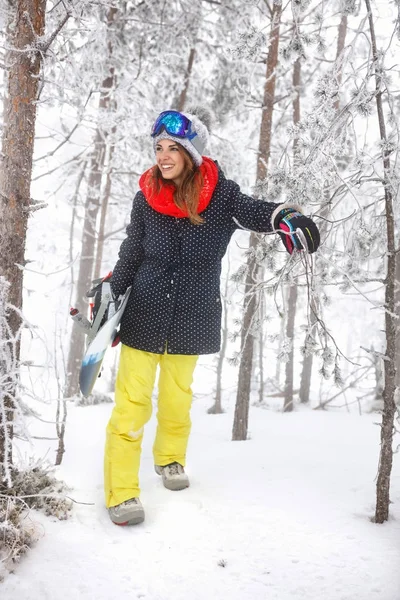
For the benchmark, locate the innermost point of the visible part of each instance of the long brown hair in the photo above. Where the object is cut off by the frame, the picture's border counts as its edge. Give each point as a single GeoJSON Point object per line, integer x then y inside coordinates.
{"type": "Point", "coordinates": [187, 192]}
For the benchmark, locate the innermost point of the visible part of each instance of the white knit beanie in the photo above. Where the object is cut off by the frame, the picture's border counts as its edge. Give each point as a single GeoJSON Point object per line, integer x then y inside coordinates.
{"type": "Point", "coordinates": [200, 119]}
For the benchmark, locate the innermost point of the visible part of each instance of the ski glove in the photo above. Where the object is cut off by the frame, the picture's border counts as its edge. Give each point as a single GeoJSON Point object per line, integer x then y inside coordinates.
{"type": "Point", "coordinates": [96, 296]}
{"type": "Point", "coordinates": [288, 221]}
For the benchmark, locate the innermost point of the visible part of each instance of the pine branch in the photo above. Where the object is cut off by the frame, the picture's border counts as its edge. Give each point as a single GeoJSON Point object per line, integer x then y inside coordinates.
{"type": "Point", "coordinates": [45, 45]}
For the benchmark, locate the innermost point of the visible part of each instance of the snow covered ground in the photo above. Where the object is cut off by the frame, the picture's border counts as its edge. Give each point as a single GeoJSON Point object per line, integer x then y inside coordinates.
{"type": "Point", "coordinates": [282, 516]}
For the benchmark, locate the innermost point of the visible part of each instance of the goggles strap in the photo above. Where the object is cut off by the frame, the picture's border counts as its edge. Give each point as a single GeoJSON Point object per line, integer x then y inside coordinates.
{"type": "Point", "coordinates": [197, 143]}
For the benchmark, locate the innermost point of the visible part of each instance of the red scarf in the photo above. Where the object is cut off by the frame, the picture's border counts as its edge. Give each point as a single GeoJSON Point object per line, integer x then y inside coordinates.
{"type": "Point", "coordinates": [163, 201]}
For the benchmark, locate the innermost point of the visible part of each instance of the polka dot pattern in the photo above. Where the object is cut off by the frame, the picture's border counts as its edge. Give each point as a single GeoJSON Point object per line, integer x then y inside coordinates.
{"type": "Point", "coordinates": [174, 269]}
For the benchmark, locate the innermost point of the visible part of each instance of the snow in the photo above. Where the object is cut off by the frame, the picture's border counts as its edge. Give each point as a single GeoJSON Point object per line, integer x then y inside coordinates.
{"type": "Point", "coordinates": [284, 515]}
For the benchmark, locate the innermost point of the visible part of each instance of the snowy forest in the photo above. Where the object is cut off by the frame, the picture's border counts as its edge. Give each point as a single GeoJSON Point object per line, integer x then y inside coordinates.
{"type": "Point", "coordinates": [305, 98]}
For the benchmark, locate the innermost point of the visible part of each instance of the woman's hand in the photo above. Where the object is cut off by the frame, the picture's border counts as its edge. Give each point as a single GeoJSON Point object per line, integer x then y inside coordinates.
{"type": "Point", "coordinates": [297, 231]}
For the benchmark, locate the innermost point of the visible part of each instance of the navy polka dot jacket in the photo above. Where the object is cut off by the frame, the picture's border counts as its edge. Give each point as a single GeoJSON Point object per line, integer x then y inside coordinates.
{"type": "Point", "coordinates": [174, 269]}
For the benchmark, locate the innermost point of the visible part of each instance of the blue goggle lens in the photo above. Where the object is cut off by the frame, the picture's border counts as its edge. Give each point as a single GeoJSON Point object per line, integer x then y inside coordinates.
{"type": "Point", "coordinates": [173, 122]}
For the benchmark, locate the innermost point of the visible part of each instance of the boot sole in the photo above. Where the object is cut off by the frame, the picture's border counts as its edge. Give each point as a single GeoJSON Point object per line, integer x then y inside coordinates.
{"type": "Point", "coordinates": [176, 486]}
{"type": "Point", "coordinates": [133, 520]}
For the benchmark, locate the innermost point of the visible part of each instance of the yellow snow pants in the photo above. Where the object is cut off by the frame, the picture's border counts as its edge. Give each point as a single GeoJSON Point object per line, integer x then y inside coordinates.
{"type": "Point", "coordinates": [133, 408]}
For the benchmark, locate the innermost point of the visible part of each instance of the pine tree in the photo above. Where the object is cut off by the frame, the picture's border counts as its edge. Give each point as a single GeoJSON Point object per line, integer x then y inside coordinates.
{"type": "Point", "coordinates": [93, 207]}
{"type": "Point", "coordinates": [25, 30]}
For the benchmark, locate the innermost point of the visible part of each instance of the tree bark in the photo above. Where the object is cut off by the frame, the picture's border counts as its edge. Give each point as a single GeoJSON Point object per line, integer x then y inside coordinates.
{"type": "Point", "coordinates": [216, 408]}
{"type": "Point", "coordinates": [92, 209]}
{"type": "Point", "coordinates": [240, 423]}
{"type": "Point", "coordinates": [60, 428]}
{"type": "Point", "coordinates": [104, 210]}
{"type": "Point", "coordinates": [397, 299]}
{"type": "Point", "coordinates": [183, 95]}
{"type": "Point", "coordinates": [261, 386]}
{"type": "Point", "coordinates": [389, 407]}
{"type": "Point", "coordinates": [8, 376]}
{"type": "Point", "coordinates": [306, 372]}
{"type": "Point", "coordinates": [26, 24]}
{"type": "Point", "coordinates": [289, 370]}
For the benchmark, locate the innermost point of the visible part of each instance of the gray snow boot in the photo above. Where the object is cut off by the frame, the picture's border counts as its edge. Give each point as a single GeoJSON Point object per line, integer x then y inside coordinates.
{"type": "Point", "coordinates": [173, 476]}
{"type": "Point", "coordinates": [129, 512]}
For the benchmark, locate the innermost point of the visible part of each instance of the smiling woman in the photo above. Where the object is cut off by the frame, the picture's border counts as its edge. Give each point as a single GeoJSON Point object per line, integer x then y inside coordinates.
{"type": "Point", "coordinates": [175, 164]}
{"type": "Point", "coordinates": [181, 222]}
{"type": "Point", "coordinates": [170, 160]}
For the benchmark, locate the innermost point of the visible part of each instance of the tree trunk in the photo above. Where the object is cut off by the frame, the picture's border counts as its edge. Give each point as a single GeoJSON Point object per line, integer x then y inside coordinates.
{"type": "Point", "coordinates": [306, 372]}
{"type": "Point", "coordinates": [340, 47]}
{"type": "Point", "coordinates": [216, 409]}
{"type": "Point", "coordinates": [92, 208]}
{"type": "Point", "coordinates": [292, 300]}
{"type": "Point", "coordinates": [261, 386]}
{"type": "Point", "coordinates": [278, 367]}
{"type": "Point", "coordinates": [397, 299]}
{"type": "Point", "coordinates": [389, 407]}
{"type": "Point", "coordinates": [60, 427]}
{"type": "Point", "coordinates": [103, 213]}
{"type": "Point", "coordinates": [183, 95]}
{"type": "Point", "coordinates": [26, 25]}
{"type": "Point", "coordinates": [379, 378]}
{"type": "Point", "coordinates": [292, 295]}
{"type": "Point", "coordinates": [8, 378]}
{"type": "Point", "coordinates": [240, 423]}
{"type": "Point", "coordinates": [75, 198]}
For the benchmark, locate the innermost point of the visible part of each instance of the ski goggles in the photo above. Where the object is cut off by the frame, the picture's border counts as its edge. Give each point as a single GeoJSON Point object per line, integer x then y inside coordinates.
{"type": "Point", "coordinates": [178, 126]}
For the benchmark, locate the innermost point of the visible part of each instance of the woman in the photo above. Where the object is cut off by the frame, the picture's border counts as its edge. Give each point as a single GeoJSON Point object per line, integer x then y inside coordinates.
{"type": "Point", "coordinates": [181, 222]}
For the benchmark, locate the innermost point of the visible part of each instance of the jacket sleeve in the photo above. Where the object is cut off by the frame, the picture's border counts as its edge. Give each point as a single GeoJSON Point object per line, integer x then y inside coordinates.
{"type": "Point", "coordinates": [131, 251]}
{"type": "Point", "coordinates": [250, 213]}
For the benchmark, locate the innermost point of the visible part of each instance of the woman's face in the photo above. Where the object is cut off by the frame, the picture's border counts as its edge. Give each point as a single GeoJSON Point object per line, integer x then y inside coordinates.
{"type": "Point", "coordinates": [170, 160]}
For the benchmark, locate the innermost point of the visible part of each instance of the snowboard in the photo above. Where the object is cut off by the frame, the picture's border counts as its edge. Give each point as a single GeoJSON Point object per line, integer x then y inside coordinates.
{"type": "Point", "coordinates": [98, 342]}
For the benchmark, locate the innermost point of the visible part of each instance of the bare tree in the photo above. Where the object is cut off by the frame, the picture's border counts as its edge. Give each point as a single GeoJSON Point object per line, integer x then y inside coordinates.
{"type": "Point", "coordinates": [261, 341]}
{"type": "Point", "coordinates": [397, 292]}
{"type": "Point", "coordinates": [240, 424]}
{"type": "Point", "coordinates": [183, 95]}
{"type": "Point", "coordinates": [292, 292]}
{"type": "Point", "coordinates": [306, 372]}
{"type": "Point", "coordinates": [216, 408]}
{"type": "Point", "coordinates": [61, 411]}
{"type": "Point", "coordinates": [389, 406]}
{"type": "Point", "coordinates": [89, 232]}
{"type": "Point", "coordinates": [105, 201]}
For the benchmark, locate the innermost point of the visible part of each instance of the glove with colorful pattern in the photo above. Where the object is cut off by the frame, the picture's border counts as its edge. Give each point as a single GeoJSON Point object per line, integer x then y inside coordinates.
{"type": "Point", "coordinates": [296, 229]}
